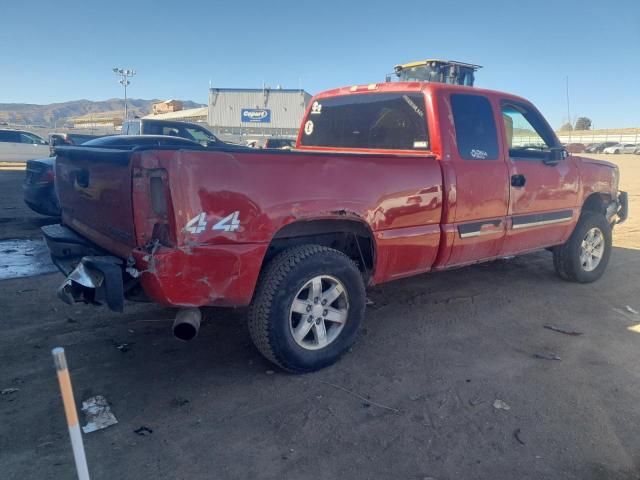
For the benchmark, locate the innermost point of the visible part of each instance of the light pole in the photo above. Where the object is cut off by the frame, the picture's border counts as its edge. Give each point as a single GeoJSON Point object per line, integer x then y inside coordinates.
{"type": "Point", "coordinates": [124, 74]}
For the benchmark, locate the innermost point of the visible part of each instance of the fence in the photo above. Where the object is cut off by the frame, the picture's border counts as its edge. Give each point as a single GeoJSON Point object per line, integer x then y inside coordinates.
{"type": "Point", "coordinates": [587, 137]}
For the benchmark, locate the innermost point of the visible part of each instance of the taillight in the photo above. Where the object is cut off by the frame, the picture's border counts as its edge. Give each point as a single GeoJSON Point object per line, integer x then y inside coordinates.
{"type": "Point", "coordinates": [41, 177]}
{"type": "Point", "coordinates": [153, 214]}
{"type": "Point", "coordinates": [48, 176]}
{"type": "Point", "coordinates": [158, 197]}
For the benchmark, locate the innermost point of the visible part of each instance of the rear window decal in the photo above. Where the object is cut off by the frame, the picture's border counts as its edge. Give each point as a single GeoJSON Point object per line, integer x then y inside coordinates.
{"type": "Point", "coordinates": [308, 127]}
{"type": "Point", "coordinates": [412, 104]}
{"type": "Point", "coordinates": [316, 108]}
{"type": "Point", "coordinates": [479, 154]}
{"type": "Point", "coordinates": [420, 144]}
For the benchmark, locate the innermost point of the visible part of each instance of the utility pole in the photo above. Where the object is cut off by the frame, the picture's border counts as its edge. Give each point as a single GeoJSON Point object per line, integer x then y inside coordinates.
{"type": "Point", "coordinates": [124, 74]}
{"type": "Point", "coordinates": [568, 110]}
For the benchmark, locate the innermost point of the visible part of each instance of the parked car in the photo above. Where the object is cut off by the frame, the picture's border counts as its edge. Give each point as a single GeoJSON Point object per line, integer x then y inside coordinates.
{"type": "Point", "coordinates": [386, 181]}
{"type": "Point", "coordinates": [190, 131]}
{"type": "Point", "coordinates": [575, 147]}
{"type": "Point", "coordinates": [19, 145]}
{"type": "Point", "coordinates": [56, 139]}
{"type": "Point", "coordinates": [599, 147]}
{"type": "Point", "coordinates": [38, 188]}
{"type": "Point", "coordinates": [283, 143]}
{"type": "Point", "coordinates": [621, 148]}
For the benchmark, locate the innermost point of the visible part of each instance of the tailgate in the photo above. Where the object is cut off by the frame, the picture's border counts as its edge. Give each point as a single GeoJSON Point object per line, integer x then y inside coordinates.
{"type": "Point", "coordinates": [94, 187]}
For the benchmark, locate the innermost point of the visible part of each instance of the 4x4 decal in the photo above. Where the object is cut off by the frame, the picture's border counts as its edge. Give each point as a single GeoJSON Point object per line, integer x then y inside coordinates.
{"type": "Point", "coordinates": [198, 224]}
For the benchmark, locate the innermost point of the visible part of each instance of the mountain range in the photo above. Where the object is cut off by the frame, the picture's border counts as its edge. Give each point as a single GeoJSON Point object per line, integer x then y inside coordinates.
{"type": "Point", "coordinates": [59, 113]}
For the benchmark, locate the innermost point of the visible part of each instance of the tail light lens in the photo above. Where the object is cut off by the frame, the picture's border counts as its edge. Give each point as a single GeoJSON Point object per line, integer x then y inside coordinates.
{"type": "Point", "coordinates": [39, 176]}
{"type": "Point", "coordinates": [48, 176]}
{"type": "Point", "coordinates": [158, 196]}
{"type": "Point", "coordinates": [153, 214]}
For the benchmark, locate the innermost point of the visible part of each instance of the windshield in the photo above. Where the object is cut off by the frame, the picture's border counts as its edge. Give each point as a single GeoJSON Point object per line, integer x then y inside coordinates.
{"type": "Point", "coordinates": [280, 143]}
{"type": "Point", "coordinates": [391, 121]}
{"type": "Point", "coordinates": [201, 136]}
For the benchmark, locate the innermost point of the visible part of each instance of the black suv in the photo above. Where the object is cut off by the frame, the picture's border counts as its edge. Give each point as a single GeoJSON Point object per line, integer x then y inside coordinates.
{"type": "Point", "coordinates": [190, 131]}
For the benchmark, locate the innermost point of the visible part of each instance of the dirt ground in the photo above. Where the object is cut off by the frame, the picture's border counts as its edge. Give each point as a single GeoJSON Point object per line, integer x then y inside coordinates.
{"type": "Point", "coordinates": [413, 400]}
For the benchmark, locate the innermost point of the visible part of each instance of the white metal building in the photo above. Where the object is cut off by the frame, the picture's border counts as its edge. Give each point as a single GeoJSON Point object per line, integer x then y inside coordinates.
{"type": "Point", "coordinates": [189, 115]}
{"type": "Point", "coordinates": [256, 111]}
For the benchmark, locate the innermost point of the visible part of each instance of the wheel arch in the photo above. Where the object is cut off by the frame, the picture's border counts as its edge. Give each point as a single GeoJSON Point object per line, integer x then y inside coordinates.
{"type": "Point", "coordinates": [352, 237]}
{"type": "Point", "coordinates": [596, 202]}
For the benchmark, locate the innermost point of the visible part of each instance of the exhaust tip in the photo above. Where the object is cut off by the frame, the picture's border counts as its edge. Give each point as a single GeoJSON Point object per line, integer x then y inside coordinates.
{"type": "Point", "coordinates": [187, 324]}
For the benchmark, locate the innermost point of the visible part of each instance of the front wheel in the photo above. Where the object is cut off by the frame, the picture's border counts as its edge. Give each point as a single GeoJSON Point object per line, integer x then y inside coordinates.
{"type": "Point", "coordinates": [584, 257]}
{"type": "Point", "coordinates": [307, 308]}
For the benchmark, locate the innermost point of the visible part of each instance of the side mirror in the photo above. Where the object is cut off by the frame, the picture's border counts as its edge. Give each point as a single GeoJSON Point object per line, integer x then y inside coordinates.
{"type": "Point", "coordinates": [555, 155]}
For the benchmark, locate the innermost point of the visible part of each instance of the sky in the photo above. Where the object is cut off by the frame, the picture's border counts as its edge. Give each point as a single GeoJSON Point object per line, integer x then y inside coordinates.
{"type": "Point", "coordinates": [65, 50]}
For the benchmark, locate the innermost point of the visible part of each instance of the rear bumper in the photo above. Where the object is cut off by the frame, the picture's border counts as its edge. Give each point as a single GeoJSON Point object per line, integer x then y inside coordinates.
{"type": "Point", "coordinates": [67, 247]}
{"type": "Point", "coordinates": [95, 280]}
{"type": "Point", "coordinates": [41, 198]}
{"type": "Point", "coordinates": [92, 275]}
{"type": "Point", "coordinates": [220, 275]}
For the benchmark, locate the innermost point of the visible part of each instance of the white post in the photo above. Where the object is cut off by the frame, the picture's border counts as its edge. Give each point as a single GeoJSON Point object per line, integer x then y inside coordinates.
{"type": "Point", "coordinates": [70, 411]}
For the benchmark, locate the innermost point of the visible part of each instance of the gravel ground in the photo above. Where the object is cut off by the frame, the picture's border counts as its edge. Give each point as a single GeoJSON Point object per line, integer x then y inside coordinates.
{"type": "Point", "coordinates": [414, 399]}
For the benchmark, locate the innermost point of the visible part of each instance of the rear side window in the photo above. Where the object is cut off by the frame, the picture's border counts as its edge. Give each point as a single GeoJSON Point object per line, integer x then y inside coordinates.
{"type": "Point", "coordinates": [30, 139]}
{"type": "Point", "coordinates": [390, 121]}
{"type": "Point", "coordinates": [9, 136]}
{"type": "Point", "coordinates": [133, 128]}
{"type": "Point", "coordinates": [475, 125]}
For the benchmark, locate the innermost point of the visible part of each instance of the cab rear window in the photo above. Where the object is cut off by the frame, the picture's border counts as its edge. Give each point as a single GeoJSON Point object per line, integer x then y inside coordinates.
{"type": "Point", "coordinates": [389, 121]}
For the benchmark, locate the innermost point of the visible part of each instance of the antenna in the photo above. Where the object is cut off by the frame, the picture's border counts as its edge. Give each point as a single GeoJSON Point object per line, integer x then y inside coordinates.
{"type": "Point", "coordinates": [568, 109]}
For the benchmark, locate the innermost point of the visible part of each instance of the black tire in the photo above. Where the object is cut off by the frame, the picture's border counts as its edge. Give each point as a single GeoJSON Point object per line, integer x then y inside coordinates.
{"type": "Point", "coordinates": [280, 282]}
{"type": "Point", "coordinates": [566, 258]}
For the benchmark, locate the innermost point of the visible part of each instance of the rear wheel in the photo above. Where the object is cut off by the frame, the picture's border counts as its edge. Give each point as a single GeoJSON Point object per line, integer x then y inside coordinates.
{"type": "Point", "coordinates": [307, 308]}
{"type": "Point", "coordinates": [584, 257]}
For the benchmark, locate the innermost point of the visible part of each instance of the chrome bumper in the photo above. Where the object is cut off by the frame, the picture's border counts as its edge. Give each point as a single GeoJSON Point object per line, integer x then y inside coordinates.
{"type": "Point", "coordinates": [618, 210]}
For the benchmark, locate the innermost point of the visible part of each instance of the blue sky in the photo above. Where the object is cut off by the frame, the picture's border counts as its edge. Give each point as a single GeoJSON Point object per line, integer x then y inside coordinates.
{"type": "Point", "coordinates": [65, 50]}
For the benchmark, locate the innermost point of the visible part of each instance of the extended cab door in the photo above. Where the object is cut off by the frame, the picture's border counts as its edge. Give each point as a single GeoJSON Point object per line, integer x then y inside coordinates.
{"type": "Point", "coordinates": [543, 191]}
{"type": "Point", "coordinates": [475, 177]}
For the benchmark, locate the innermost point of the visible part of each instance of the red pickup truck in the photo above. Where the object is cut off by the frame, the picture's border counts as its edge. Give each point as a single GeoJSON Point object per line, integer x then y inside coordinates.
{"type": "Point", "coordinates": [386, 181]}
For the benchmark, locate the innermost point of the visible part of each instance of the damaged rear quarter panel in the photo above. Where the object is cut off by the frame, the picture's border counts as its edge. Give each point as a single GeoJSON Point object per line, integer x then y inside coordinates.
{"type": "Point", "coordinates": [223, 275]}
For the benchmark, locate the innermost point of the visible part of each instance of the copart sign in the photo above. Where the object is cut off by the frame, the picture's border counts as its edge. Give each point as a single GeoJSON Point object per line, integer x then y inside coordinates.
{"type": "Point", "coordinates": [255, 115]}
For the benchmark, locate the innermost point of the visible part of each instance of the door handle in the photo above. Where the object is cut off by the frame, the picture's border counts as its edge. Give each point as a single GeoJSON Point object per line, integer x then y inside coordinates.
{"type": "Point", "coordinates": [518, 180]}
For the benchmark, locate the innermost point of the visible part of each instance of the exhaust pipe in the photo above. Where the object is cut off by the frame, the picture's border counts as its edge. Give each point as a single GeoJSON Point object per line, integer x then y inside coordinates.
{"type": "Point", "coordinates": [187, 324]}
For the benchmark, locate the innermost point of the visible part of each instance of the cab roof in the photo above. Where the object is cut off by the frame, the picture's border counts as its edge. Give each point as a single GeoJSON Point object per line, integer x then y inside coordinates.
{"type": "Point", "coordinates": [423, 87]}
